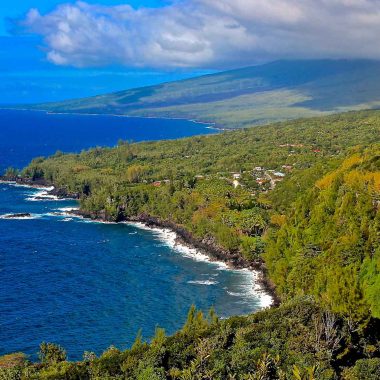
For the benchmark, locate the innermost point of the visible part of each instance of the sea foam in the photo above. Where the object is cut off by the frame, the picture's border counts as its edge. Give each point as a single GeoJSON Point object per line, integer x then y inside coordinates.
{"type": "Point", "coordinates": [250, 286]}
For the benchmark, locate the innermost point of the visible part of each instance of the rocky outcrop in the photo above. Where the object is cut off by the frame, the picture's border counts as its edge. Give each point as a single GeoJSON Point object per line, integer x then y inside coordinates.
{"type": "Point", "coordinates": [62, 193]}
{"type": "Point", "coordinates": [41, 182]}
{"type": "Point", "coordinates": [59, 192]}
{"type": "Point", "coordinates": [17, 216]}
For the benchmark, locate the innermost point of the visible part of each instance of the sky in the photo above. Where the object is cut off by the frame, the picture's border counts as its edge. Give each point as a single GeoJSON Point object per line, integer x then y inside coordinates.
{"type": "Point", "coordinates": [58, 49]}
{"type": "Point", "coordinates": [27, 76]}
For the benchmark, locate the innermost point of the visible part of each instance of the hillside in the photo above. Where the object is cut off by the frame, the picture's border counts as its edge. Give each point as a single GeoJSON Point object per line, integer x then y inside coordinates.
{"type": "Point", "coordinates": [328, 245]}
{"type": "Point", "coordinates": [230, 196]}
{"type": "Point", "coordinates": [255, 95]}
{"type": "Point", "coordinates": [316, 230]}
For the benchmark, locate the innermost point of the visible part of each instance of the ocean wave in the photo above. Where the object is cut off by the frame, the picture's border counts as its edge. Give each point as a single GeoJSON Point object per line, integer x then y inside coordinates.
{"type": "Point", "coordinates": [42, 195]}
{"type": "Point", "coordinates": [67, 219]}
{"type": "Point", "coordinates": [85, 220]}
{"type": "Point", "coordinates": [41, 192]}
{"type": "Point", "coordinates": [250, 286]}
{"type": "Point", "coordinates": [169, 239]}
{"type": "Point", "coordinates": [67, 209]}
{"type": "Point", "coordinates": [32, 187]}
{"type": "Point", "coordinates": [235, 294]}
{"type": "Point", "coordinates": [201, 282]}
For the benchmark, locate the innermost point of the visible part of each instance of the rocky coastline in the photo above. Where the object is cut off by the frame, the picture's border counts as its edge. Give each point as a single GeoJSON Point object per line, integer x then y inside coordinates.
{"type": "Point", "coordinates": [41, 183]}
{"type": "Point", "coordinates": [206, 246]}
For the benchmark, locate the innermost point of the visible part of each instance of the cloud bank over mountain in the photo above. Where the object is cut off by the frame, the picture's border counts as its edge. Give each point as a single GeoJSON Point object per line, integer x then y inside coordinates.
{"type": "Point", "coordinates": [207, 33]}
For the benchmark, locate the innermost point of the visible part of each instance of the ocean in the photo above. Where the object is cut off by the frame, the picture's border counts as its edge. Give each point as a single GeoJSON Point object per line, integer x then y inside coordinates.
{"type": "Point", "coordinates": [89, 285]}
{"type": "Point", "coordinates": [27, 134]}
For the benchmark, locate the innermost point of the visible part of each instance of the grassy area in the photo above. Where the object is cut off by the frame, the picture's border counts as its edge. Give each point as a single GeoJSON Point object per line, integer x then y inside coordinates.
{"type": "Point", "coordinates": [255, 95]}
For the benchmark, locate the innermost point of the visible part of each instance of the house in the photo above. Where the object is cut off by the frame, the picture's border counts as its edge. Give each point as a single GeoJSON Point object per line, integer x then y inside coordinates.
{"type": "Point", "coordinates": [261, 181]}
{"type": "Point", "coordinates": [236, 175]}
{"type": "Point", "coordinates": [279, 174]}
{"type": "Point", "coordinates": [258, 168]}
{"type": "Point", "coordinates": [156, 183]}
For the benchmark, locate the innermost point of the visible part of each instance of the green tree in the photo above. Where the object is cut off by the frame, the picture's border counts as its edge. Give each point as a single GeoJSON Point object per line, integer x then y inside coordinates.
{"type": "Point", "coordinates": [51, 353]}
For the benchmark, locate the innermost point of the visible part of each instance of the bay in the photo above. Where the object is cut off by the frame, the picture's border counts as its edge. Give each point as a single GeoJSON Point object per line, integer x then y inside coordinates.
{"type": "Point", "coordinates": [88, 285]}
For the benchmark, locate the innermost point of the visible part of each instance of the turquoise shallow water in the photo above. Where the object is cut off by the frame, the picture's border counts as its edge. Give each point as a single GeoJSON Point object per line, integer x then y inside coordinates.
{"type": "Point", "coordinates": [89, 285]}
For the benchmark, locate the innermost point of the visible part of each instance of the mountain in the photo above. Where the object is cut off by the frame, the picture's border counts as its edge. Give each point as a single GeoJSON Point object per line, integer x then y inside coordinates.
{"type": "Point", "coordinates": [254, 95]}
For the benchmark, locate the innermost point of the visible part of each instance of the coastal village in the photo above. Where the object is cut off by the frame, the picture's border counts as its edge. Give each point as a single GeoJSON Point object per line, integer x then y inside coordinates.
{"type": "Point", "coordinates": [259, 179]}
{"type": "Point", "coordinates": [262, 179]}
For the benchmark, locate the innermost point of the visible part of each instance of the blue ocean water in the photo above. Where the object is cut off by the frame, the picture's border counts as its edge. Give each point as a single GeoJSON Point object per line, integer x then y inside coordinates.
{"type": "Point", "coordinates": [88, 285]}
{"type": "Point", "coordinates": [27, 134]}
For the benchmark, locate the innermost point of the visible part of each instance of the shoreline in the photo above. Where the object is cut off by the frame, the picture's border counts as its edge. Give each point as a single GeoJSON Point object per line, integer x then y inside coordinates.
{"type": "Point", "coordinates": [209, 125]}
{"type": "Point", "coordinates": [257, 290]}
{"type": "Point", "coordinates": [42, 184]}
{"type": "Point", "coordinates": [205, 247]}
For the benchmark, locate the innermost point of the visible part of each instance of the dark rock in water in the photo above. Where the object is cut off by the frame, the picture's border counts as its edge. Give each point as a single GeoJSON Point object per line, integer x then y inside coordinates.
{"type": "Point", "coordinates": [62, 193]}
{"type": "Point", "coordinates": [39, 182]}
{"type": "Point", "coordinates": [21, 215]}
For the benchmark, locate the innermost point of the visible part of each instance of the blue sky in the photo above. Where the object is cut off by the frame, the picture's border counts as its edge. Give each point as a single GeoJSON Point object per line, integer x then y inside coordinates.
{"type": "Point", "coordinates": [53, 50]}
{"type": "Point", "coordinates": [17, 8]}
{"type": "Point", "coordinates": [26, 76]}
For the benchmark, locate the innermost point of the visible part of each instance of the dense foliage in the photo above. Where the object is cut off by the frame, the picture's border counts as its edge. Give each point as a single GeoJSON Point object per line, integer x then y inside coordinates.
{"type": "Point", "coordinates": [195, 174]}
{"type": "Point", "coordinates": [315, 226]}
{"type": "Point", "coordinates": [298, 340]}
{"type": "Point", "coordinates": [329, 243]}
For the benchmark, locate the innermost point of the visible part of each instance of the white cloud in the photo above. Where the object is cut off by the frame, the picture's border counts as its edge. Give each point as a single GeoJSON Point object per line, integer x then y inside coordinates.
{"type": "Point", "coordinates": [208, 33]}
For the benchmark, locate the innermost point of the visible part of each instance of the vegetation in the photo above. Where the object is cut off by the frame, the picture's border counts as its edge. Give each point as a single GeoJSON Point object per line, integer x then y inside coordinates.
{"type": "Point", "coordinates": [315, 226]}
{"type": "Point", "coordinates": [329, 243]}
{"type": "Point", "coordinates": [11, 172]}
{"type": "Point", "coordinates": [298, 340]}
{"type": "Point", "coordinates": [189, 181]}
{"type": "Point", "coordinates": [254, 95]}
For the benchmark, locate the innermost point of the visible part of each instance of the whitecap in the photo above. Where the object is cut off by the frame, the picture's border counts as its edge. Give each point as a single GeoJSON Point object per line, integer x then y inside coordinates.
{"type": "Point", "coordinates": [32, 187]}
{"type": "Point", "coordinates": [67, 209]}
{"type": "Point", "coordinates": [85, 220]}
{"type": "Point", "coordinates": [250, 287]}
{"type": "Point", "coordinates": [234, 294]}
{"type": "Point", "coordinates": [169, 238]}
{"type": "Point", "coordinates": [205, 282]}
{"type": "Point", "coordinates": [42, 195]}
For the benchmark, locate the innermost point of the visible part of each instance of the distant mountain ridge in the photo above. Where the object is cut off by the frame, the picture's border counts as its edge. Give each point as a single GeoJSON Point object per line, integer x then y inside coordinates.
{"type": "Point", "coordinates": [275, 91]}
